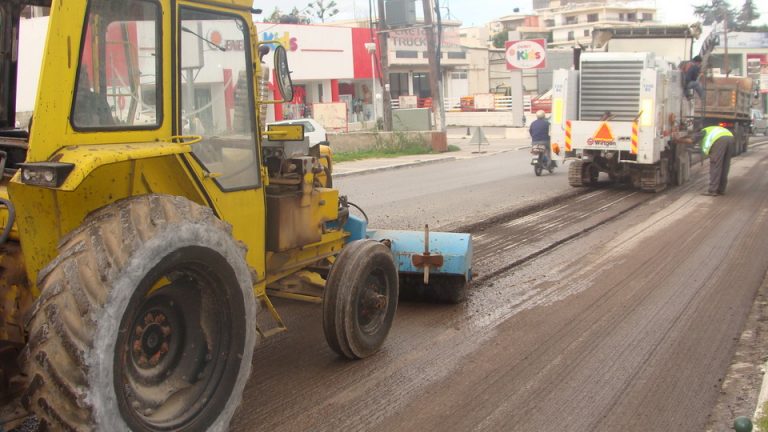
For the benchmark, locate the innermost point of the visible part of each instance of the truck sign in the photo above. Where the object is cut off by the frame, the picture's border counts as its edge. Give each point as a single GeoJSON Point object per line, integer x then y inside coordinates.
{"type": "Point", "coordinates": [603, 137]}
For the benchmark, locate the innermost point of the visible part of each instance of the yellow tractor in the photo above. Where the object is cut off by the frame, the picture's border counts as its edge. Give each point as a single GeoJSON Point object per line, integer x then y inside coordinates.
{"type": "Point", "coordinates": [148, 215]}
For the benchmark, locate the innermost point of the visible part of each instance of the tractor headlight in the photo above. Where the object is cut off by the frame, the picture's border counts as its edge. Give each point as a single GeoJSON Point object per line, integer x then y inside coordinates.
{"type": "Point", "coordinates": [46, 174]}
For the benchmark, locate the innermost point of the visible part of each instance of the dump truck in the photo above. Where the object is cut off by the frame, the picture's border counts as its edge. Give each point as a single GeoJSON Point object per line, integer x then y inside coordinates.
{"type": "Point", "coordinates": [727, 103]}
{"type": "Point", "coordinates": [621, 114]}
{"type": "Point", "coordinates": [149, 216]}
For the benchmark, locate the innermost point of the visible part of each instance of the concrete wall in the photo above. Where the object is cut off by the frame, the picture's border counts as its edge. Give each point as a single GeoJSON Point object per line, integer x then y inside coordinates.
{"type": "Point", "coordinates": [493, 118]}
{"type": "Point", "coordinates": [355, 141]}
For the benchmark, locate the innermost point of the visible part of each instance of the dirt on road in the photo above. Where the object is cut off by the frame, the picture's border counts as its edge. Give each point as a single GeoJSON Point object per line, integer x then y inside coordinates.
{"type": "Point", "coordinates": [613, 310]}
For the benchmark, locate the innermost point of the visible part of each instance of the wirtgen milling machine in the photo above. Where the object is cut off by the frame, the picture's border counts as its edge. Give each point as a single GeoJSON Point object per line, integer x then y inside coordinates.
{"type": "Point", "coordinates": [148, 215]}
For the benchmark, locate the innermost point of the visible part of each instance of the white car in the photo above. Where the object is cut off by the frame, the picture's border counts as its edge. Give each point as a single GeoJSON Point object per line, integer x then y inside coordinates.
{"type": "Point", "coordinates": [759, 123]}
{"type": "Point", "coordinates": [312, 129]}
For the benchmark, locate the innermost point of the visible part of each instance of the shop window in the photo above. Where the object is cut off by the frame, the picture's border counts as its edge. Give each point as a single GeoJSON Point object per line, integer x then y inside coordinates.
{"type": "Point", "coordinates": [549, 23]}
{"type": "Point", "coordinates": [631, 17]}
{"type": "Point", "coordinates": [406, 54]}
{"type": "Point", "coordinates": [421, 85]}
{"type": "Point", "coordinates": [647, 17]}
{"type": "Point", "coordinates": [398, 85]}
{"type": "Point", "coordinates": [592, 17]}
{"type": "Point", "coordinates": [735, 61]}
{"type": "Point", "coordinates": [457, 55]}
{"type": "Point", "coordinates": [571, 20]}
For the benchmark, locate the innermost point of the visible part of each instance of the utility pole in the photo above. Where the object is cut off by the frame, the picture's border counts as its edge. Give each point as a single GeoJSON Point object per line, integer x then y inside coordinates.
{"type": "Point", "coordinates": [726, 63]}
{"type": "Point", "coordinates": [382, 36]}
{"type": "Point", "coordinates": [434, 71]}
{"type": "Point", "coordinates": [439, 60]}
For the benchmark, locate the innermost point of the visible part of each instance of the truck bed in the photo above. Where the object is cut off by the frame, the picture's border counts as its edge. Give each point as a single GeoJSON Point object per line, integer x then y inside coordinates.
{"type": "Point", "coordinates": [727, 98]}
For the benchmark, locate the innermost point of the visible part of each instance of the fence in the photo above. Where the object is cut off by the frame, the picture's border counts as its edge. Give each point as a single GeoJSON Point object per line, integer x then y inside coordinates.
{"type": "Point", "coordinates": [456, 104]}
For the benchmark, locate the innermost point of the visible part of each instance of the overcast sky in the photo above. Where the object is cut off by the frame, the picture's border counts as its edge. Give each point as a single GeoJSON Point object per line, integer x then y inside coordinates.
{"type": "Point", "coordinates": [479, 12]}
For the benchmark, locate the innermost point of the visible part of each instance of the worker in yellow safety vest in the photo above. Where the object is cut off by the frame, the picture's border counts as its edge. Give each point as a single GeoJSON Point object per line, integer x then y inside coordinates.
{"type": "Point", "coordinates": [717, 142]}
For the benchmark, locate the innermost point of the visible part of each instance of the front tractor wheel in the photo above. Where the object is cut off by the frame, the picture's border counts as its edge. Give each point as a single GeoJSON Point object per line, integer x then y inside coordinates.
{"type": "Point", "coordinates": [360, 299]}
{"type": "Point", "coordinates": [145, 322]}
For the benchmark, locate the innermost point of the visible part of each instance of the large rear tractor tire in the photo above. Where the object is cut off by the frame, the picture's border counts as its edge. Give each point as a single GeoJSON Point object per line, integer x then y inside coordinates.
{"type": "Point", "coordinates": [360, 299]}
{"type": "Point", "coordinates": [144, 323]}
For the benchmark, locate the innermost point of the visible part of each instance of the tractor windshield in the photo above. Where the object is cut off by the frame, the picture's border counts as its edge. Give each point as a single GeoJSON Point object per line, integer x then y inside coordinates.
{"type": "Point", "coordinates": [217, 96]}
{"type": "Point", "coordinates": [118, 83]}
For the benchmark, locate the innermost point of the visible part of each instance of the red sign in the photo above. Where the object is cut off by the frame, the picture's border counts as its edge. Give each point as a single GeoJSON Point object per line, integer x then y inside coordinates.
{"type": "Point", "coordinates": [526, 54]}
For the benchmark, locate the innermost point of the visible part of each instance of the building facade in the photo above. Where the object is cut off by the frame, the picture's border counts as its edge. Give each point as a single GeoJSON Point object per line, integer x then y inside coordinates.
{"type": "Point", "coordinates": [573, 22]}
{"type": "Point", "coordinates": [747, 56]}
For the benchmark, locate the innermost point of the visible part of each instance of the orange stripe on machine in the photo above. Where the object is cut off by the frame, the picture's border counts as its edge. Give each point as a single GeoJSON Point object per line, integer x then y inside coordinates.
{"type": "Point", "coordinates": [568, 136]}
{"type": "Point", "coordinates": [633, 148]}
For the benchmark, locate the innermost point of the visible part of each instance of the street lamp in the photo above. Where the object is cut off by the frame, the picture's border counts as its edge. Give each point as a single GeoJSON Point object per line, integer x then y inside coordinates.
{"type": "Point", "coordinates": [371, 47]}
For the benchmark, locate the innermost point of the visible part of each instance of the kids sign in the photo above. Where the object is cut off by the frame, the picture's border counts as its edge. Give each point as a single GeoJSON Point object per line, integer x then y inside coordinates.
{"type": "Point", "coordinates": [526, 54]}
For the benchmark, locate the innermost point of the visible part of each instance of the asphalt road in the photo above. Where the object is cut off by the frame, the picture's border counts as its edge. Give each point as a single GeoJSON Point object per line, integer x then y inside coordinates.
{"type": "Point", "coordinates": [452, 193]}
{"type": "Point", "coordinates": [607, 310]}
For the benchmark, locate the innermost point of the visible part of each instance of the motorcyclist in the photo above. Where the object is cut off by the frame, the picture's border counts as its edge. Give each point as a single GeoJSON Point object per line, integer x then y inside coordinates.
{"type": "Point", "coordinates": [539, 131]}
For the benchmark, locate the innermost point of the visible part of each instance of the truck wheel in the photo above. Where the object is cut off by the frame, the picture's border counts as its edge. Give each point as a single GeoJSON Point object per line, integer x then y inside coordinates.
{"type": "Point", "coordinates": [144, 323]}
{"type": "Point", "coordinates": [360, 299]}
{"type": "Point", "coordinates": [591, 173]}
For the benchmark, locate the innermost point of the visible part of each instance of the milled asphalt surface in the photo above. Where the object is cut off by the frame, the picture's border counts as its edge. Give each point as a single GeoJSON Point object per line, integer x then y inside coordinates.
{"type": "Point", "coordinates": [622, 328]}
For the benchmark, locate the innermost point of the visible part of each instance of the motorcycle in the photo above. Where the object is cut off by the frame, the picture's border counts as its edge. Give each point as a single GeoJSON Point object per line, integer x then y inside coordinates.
{"type": "Point", "coordinates": [540, 161]}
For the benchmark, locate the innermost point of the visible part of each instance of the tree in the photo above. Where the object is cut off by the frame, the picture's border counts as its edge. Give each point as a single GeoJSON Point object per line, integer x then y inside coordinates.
{"type": "Point", "coordinates": [715, 11]}
{"type": "Point", "coordinates": [274, 17]}
{"type": "Point", "coordinates": [295, 17]}
{"type": "Point", "coordinates": [499, 39]}
{"type": "Point", "coordinates": [321, 10]}
{"type": "Point", "coordinates": [747, 14]}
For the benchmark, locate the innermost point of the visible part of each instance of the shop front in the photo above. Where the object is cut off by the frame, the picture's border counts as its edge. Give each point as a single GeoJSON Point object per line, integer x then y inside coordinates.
{"type": "Point", "coordinates": [329, 65]}
{"type": "Point", "coordinates": [409, 65]}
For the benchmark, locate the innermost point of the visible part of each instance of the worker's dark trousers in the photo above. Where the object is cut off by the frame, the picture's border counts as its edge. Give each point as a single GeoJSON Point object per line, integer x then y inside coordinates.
{"type": "Point", "coordinates": [719, 164]}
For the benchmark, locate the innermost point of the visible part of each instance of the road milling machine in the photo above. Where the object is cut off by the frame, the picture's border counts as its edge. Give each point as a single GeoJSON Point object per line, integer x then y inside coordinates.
{"type": "Point", "coordinates": [621, 114]}
{"type": "Point", "coordinates": [149, 215]}
{"type": "Point", "coordinates": [623, 109]}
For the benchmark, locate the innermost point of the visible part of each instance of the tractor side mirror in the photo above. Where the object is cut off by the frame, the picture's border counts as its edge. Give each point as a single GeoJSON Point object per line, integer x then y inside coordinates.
{"type": "Point", "coordinates": [263, 50]}
{"type": "Point", "coordinates": [284, 83]}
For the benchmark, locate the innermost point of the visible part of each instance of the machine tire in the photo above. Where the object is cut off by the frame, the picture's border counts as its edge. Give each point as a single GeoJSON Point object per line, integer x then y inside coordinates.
{"type": "Point", "coordinates": [582, 173]}
{"type": "Point", "coordinates": [591, 174]}
{"type": "Point", "coordinates": [363, 281]}
{"type": "Point", "coordinates": [149, 275]}
{"type": "Point", "coordinates": [575, 173]}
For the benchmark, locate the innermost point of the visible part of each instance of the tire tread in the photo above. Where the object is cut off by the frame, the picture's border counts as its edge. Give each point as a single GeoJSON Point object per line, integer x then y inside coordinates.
{"type": "Point", "coordinates": [74, 285]}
